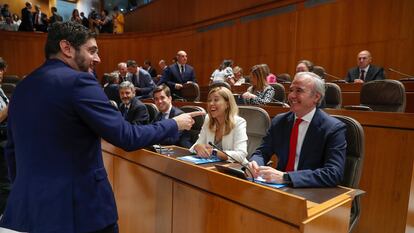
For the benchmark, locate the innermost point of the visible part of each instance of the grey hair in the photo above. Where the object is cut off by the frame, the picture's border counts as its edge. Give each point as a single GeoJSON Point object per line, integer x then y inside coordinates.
{"type": "Point", "coordinates": [123, 64]}
{"type": "Point", "coordinates": [318, 84]}
{"type": "Point", "coordinates": [127, 84]}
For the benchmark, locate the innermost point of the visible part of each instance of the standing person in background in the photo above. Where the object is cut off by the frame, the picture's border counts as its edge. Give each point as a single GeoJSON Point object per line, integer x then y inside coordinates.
{"type": "Point", "coordinates": [365, 72]}
{"type": "Point", "coordinates": [119, 21]}
{"type": "Point", "coordinates": [27, 19]}
{"type": "Point", "coordinates": [75, 16]}
{"type": "Point", "coordinates": [105, 23]}
{"type": "Point", "coordinates": [261, 92]}
{"type": "Point", "coordinates": [177, 74]}
{"type": "Point", "coordinates": [39, 20]}
{"type": "Point", "coordinates": [85, 21]}
{"type": "Point", "coordinates": [55, 16]}
{"type": "Point", "coordinates": [59, 183]}
{"type": "Point", "coordinates": [144, 86]}
{"type": "Point", "coordinates": [224, 73]}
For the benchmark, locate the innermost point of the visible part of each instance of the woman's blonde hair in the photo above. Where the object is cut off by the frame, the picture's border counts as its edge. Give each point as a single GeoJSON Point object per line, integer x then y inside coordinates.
{"type": "Point", "coordinates": [260, 72]}
{"type": "Point", "coordinates": [230, 113]}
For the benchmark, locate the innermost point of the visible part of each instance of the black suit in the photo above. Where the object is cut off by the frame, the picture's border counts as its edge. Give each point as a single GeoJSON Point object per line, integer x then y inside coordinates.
{"type": "Point", "coordinates": [184, 140]}
{"type": "Point", "coordinates": [27, 21]}
{"type": "Point", "coordinates": [374, 73]}
{"type": "Point", "coordinates": [137, 113]}
{"type": "Point", "coordinates": [172, 76]}
{"type": "Point", "coordinates": [152, 72]}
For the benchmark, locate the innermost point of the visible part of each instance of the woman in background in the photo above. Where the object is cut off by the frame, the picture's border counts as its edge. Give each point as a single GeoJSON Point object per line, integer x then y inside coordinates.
{"type": "Point", "coordinates": [223, 127]}
{"type": "Point", "coordinates": [224, 73]}
{"type": "Point", "coordinates": [261, 92]}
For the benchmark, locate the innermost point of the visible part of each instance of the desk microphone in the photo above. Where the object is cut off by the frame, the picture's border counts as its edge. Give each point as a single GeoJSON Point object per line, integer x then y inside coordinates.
{"type": "Point", "coordinates": [400, 73]}
{"type": "Point", "coordinates": [244, 166]}
{"type": "Point", "coordinates": [334, 77]}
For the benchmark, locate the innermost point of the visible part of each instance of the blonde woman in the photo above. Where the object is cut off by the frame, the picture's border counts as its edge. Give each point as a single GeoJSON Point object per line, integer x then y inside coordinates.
{"type": "Point", "coordinates": [223, 127]}
{"type": "Point", "coordinates": [261, 92]}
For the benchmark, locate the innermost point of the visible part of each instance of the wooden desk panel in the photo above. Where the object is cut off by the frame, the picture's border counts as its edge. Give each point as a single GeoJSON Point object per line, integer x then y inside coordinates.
{"type": "Point", "coordinates": [153, 189]}
{"type": "Point", "coordinates": [388, 175]}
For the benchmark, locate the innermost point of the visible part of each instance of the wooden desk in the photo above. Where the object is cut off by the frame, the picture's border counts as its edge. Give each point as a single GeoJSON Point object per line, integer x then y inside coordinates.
{"type": "Point", "coordinates": [387, 176]}
{"type": "Point", "coordinates": [158, 193]}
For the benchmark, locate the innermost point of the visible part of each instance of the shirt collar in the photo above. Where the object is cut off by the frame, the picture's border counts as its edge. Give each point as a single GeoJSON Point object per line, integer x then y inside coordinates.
{"type": "Point", "coordinates": [308, 117]}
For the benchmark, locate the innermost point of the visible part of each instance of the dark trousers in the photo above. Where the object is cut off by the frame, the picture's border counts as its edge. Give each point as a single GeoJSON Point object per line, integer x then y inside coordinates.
{"type": "Point", "coordinates": [110, 229]}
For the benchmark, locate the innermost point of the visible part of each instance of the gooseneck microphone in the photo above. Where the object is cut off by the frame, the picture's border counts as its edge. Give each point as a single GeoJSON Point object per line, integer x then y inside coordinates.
{"type": "Point", "coordinates": [400, 73]}
{"type": "Point", "coordinates": [244, 166]}
{"type": "Point", "coordinates": [333, 76]}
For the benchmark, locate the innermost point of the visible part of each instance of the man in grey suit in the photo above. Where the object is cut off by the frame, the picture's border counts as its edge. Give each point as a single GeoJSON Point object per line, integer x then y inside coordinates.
{"type": "Point", "coordinates": [365, 72]}
{"type": "Point", "coordinates": [144, 86]}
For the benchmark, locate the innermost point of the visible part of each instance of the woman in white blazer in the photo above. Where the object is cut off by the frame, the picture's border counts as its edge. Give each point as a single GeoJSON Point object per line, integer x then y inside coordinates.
{"type": "Point", "coordinates": [223, 127]}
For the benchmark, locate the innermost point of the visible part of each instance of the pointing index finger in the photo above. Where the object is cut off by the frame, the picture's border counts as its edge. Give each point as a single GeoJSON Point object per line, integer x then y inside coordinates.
{"type": "Point", "coordinates": [196, 113]}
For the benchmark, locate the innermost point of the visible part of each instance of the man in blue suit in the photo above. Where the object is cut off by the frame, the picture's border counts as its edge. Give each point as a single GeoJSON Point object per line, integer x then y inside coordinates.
{"type": "Point", "coordinates": [57, 117]}
{"type": "Point", "coordinates": [177, 74]}
{"type": "Point", "coordinates": [310, 144]}
{"type": "Point", "coordinates": [144, 86]}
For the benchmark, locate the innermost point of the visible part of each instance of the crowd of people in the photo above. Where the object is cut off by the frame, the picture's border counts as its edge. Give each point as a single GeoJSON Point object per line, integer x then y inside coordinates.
{"type": "Point", "coordinates": [37, 20]}
{"type": "Point", "coordinates": [61, 153]}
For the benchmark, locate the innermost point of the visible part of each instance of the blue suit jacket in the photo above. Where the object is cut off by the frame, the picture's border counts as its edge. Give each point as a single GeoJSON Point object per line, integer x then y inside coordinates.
{"type": "Point", "coordinates": [172, 75]}
{"type": "Point", "coordinates": [56, 120]}
{"type": "Point", "coordinates": [374, 73]}
{"type": "Point", "coordinates": [144, 82]}
{"type": "Point", "coordinates": [184, 139]}
{"type": "Point", "coordinates": [322, 157]}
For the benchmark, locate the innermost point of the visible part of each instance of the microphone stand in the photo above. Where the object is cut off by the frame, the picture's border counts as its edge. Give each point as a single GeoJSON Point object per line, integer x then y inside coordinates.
{"type": "Point", "coordinates": [400, 73]}
{"type": "Point", "coordinates": [244, 166]}
{"type": "Point", "coordinates": [334, 77]}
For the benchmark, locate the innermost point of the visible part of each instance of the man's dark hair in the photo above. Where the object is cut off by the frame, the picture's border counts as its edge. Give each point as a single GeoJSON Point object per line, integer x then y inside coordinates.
{"type": "Point", "coordinates": [164, 88]}
{"type": "Point", "coordinates": [3, 64]}
{"type": "Point", "coordinates": [147, 62]}
{"type": "Point", "coordinates": [116, 8]}
{"type": "Point", "coordinates": [76, 34]}
{"type": "Point", "coordinates": [53, 9]}
{"type": "Point", "coordinates": [132, 63]}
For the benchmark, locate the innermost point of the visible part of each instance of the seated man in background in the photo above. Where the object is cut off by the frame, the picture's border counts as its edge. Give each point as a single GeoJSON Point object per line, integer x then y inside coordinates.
{"type": "Point", "coordinates": [310, 144]}
{"type": "Point", "coordinates": [144, 86]}
{"type": "Point", "coordinates": [365, 72]}
{"type": "Point", "coordinates": [112, 89]}
{"type": "Point", "coordinates": [123, 72]}
{"type": "Point", "coordinates": [4, 101]}
{"type": "Point", "coordinates": [177, 74]}
{"type": "Point", "coordinates": [163, 100]}
{"type": "Point", "coordinates": [132, 109]}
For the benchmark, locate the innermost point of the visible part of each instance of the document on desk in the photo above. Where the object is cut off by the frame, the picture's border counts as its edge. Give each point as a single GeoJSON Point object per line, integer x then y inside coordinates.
{"type": "Point", "coordinates": [199, 160]}
{"type": "Point", "coordinates": [260, 180]}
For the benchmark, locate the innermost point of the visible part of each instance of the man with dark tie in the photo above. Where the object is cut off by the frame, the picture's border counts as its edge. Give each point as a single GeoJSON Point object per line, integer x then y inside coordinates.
{"type": "Point", "coordinates": [39, 20]}
{"type": "Point", "coordinates": [144, 85]}
{"type": "Point", "coordinates": [163, 100]}
{"type": "Point", "coordinates": [365, 71]}
{"type": "Point", "coordinates": [123, 72]}
{"type": "Point", "coordinates": [309, 144]}
{"type": "Point", "coordinates": [177, 74]}
{"type": "Point", "coordinates": [132, 109]}
{"type": "Point", "coordinates": [57, 118]}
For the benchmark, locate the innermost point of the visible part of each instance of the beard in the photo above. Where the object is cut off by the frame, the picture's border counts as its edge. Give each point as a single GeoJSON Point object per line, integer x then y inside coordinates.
{"type": "Point", "coordinates": [81, 62]}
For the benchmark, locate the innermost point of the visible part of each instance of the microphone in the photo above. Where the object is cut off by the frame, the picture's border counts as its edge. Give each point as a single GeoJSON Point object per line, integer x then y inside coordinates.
{"type": "Point", "coordinates": [400, 73]}
{"type": "Point", "coordinates": [244, 166]}
{"type": "Point", "coordinates": [337, 79]}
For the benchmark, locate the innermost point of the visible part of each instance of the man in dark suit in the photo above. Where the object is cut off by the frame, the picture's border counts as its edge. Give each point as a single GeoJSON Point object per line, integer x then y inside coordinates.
{"type": "Point", "coordinates": [123, 72]}
{"type": "Point", "coordinates": [54, 157]}
{"type": "Point", "coordinates": [112, 89]}
{"type": "Point", "coordinates": [144, 86]}
{"type": "Point", "coordinates": [163, 100]}
{"type": "Point", "coordinates": [133, 110]}
{"type": "Point", "coordinates": [27, 18]}
{"type": "Point", "coordinates": [177, 74]}
{"type": "Point", "coordinates": [365, 72]}
{"type": "Point", "coordinates": [147, 66]}
{"type": "Point", "coordinates": [4, 101]}
{"type": "Point", "coordinates": [39, 20]}
{"type": "Point", "coordinates": [310, 144]}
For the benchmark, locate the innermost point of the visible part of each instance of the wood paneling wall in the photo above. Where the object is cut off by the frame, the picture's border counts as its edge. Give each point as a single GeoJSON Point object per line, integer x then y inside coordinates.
{"type": "Point", "coordinates": [278, 33]}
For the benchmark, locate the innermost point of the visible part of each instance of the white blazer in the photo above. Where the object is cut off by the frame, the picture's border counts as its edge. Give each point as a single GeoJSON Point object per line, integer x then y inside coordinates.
{"type": "Point", "coordinates": [234, 143]}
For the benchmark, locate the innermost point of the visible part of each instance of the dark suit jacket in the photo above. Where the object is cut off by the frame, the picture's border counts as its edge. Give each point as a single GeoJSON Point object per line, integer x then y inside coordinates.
{"type": "Point", "coordinates": [56, 120]}
{"type": "Point", "coordinates": [137, 113]}
{"type": "Point", "coordinates": [184, 139]}
{"type": "Point", "coordinates": [27, 20]}
{"type": "Point", "coordinates": [152, 72]}
{"type": "Point", "coordinates": [112, 91]}
{"type": "Point", "coordinates": [43, 18]}
{"type": "Point", "coordinates": [144, 82]}
{"type": "Point", "coordinates": [172, 75]}
{"type": "Point", "coordinates": [374, 73]}
{"type": "Point", "coordinates": [322, 157]}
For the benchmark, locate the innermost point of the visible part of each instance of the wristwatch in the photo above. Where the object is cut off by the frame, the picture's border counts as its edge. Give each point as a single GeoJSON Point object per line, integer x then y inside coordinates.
{"type": "Point", "coordinates": [286, 179]}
